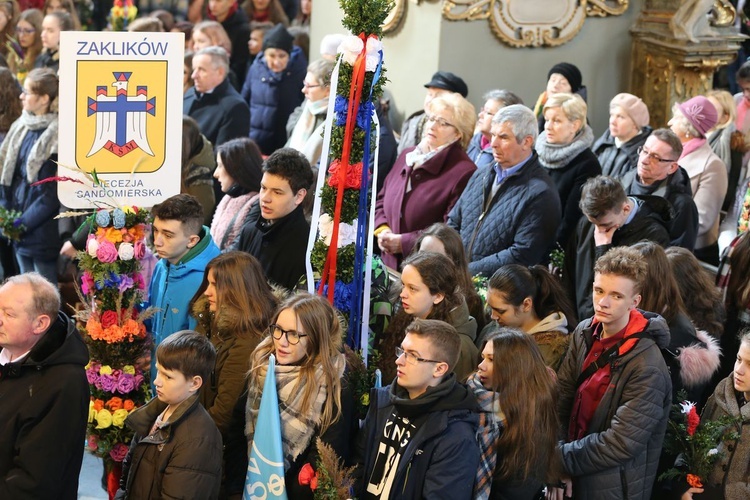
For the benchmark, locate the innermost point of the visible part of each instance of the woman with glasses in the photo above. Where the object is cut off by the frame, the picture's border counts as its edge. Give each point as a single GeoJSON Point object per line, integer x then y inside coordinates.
{"type": "Point", "coordinates": [564, 149]}
{"type": "Point", "coordinates": [27, 155]}
{"type": "Point", "coordinates": [628, 129]}
{"type": "Point", "coordinates": [426, 180]}
{"type": "Point", "coordinates": [233, 306]}
{"type": "Point", "coordinates": [306, 123]}
{"type": "Point", "coordinates": [518, 421]}
{"type": "Point", "coordinates": [305, 337]}
{"type": "Point", "coordinates": [29, 37]}
{"type": "Point", "coordinates": [429, 290]}
{"type": "Point", "coordinates": [691, 121]}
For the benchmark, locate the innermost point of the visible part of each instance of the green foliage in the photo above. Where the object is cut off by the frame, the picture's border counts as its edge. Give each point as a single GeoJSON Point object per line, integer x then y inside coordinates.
{"type": "Point", "coordinates": [365, 16]}
{"type": "Point", "coordinates": [349, 205]}
{"type": "Point", "coordinates": [345, 82]}
{"type": "Point", "coordinates": [361, 378]}
{"type": "Point", "coordinates": [10, 224]}
{"type": "Point", "coordinates": [357, 148]}
{"type": "Point", "coordinates": [344, 263]}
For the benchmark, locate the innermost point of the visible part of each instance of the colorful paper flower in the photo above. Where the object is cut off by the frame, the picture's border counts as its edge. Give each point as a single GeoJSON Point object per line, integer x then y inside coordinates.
{"type": "Point", "coordinates": [125, 251]}
{"type": "Point", "coordinates": [118, 218]}
{"type": "Point", "coordinates": [102, 218]}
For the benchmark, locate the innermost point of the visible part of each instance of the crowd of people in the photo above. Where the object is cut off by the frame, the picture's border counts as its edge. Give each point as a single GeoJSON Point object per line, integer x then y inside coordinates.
{"type": "Point", "coordinates": [551, 292]}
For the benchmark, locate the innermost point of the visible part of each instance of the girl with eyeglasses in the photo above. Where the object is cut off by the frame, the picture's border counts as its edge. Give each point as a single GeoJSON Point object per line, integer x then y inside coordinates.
{"type": "Point", "coordinates": [305, 336]}
{"type": "Point", "coordinates": [233, 306]}
{"type": "Point", "coordinates": [426, 180]}
{"type": "Point", "coordinates": [430, 290]}
{"type": "Point", "coordinates": [28, 34]}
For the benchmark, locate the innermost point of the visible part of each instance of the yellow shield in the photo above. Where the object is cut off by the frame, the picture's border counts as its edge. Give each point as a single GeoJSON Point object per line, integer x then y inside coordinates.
{"type": "Point", "coordinates": [121, 116]}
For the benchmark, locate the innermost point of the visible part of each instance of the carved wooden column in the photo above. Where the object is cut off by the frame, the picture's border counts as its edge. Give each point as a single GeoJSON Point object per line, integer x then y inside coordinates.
{"type": "Point", "coordinates": [672, 62]}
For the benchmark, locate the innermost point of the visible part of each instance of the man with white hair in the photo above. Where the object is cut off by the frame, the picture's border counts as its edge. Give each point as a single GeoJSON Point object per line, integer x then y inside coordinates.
{"type": "Point", "coordinates": [510, 210]}
{"type": "Point", "coordinates": [44, 394]}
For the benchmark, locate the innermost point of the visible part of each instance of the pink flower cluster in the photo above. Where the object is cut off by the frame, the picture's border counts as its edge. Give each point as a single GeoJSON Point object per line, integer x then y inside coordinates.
{"type": "Point", "coordinates": [116, 382]}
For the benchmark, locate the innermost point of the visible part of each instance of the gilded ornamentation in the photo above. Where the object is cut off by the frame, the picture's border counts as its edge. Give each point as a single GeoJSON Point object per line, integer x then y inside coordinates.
{"type": "Point", "coordinates": [395, 16]}
{"type": "Point", "coordinates": [532, 23]}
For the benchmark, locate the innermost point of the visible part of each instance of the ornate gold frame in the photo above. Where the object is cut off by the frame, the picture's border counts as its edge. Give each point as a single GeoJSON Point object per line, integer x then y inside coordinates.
{"type": "Point", "coordinates": [532, 23]}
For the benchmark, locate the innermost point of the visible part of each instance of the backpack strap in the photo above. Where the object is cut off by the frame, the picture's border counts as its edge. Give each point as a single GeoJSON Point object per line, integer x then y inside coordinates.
{"type": "Point", "coordinates": [607, 356]}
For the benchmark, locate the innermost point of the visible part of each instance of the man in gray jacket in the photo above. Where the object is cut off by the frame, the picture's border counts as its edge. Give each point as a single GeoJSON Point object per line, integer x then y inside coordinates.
{"type": "Point", "coordinates": [615, 389]}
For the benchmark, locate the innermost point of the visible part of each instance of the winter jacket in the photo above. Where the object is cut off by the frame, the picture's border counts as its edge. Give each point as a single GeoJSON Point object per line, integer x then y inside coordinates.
{"type": "Point", "coordinates": [731, 473]}
{"type": "Point", "coordinates": [221, 115]}
{"type": "Point", "coordinates": [466, 326]}
{"type": "Point", "coordinates": [44, 406]}
{"type": "Point", "coordinates": [516, 226]}
{"type": "Point", "coordinates": [677, 191]}
{"type": "Point", "coordinates": [237, 27]}
{"type": "Point", "coordinates": [182, 459]}
{"type": "Point", "coordinates": [197, 178]}
{"type": "Point", "coordinates": [233, 347]}
{"type": "Point", "coordinates": [48, 59]}
{"type": "Point", "coordinates": [429, 466]}
{"type": "Point", "coordinates": [173, 286]}
{"type": "Point", "coordinates": [616, 162]}
{"type": "Point", "coordinates": [480, 157]}
{"type": "Point", "coordinates": [709, 181]}
{"type": "Point", "coordinates": [569, 175]}
{"type": "Point", "coordinates": [281, 246]}
{"type": "Point", "coordinates": [272, 97]}
{"type": "Point", "coordinates": [435, 187]}
{"type": "Point", "coordinates": [650, 223]}
{"type": "Point", "coordinates": [618, 457]}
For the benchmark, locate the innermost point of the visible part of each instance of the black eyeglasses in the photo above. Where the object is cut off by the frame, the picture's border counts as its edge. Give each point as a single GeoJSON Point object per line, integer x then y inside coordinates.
{"type": "Point", "coordinates": [292, 336]}
{"type": "Point", "coordinates": [412, 358]}
{"type": "Point", "coordinates": [652, 156]}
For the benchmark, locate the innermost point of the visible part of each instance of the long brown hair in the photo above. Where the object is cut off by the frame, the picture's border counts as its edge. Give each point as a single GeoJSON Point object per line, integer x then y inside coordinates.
{"type": "Point", "coordinates": [34, 17]}
{"type": "Point", "coordinates": [276, 12]}
{"type": "Point", "coordinates": [454, 249]}
{"type": "Point", "coordinates": [738, 289]}
{"type": "Point", "coordinates": [662, 297]}
{"type": "Point", "coordinates": [526, 391]}
{"type": "Point", "coordinates": [10, 104]}
{"type": "Point", "coordinates": [241, 290]}
{"type": "Point", "coordinates": [11, 10]}
{"type": "Point", "coordinates": [701, 297]}
{"type": "Point", "coordinates": [322, 325]}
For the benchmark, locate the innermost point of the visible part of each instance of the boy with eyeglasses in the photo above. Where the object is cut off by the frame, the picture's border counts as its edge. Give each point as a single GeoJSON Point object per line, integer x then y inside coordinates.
{"type": "Point", "coordinates": [419, 439]}
{"type": "Point", "coordinates": [658, 174]}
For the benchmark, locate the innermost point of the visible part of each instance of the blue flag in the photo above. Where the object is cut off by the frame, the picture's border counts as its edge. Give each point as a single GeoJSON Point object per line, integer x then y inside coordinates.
{"type": "Point", "coordinates": [265, 468]}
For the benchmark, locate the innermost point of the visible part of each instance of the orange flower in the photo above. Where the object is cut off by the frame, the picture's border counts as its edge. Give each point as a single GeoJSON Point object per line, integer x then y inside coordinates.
{"type": "Point", "coordinates": [94, 329]}
{"type": "Point", "coordinates": [113, 334]}
{"type": "Point", "coordinates": [113, 235]}
{"type": "Point", "coordinates": [128, 404]}
{"type": "Point", "coordinates": [114, 404]}
{"type": "Point", "coordinates": [133, 329]}
{"type": "Point", "coordinates": [98, 405]}
{"type": "Point", "coordinates": [694, 481]}
{"type": "Point", "coordinates": [137, 232]}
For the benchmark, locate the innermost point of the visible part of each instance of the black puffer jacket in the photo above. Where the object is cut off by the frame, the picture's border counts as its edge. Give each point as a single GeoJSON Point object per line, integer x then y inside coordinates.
{"type": "Point", "coordinates": [618, 457]}
{"type": "Point", "coordinates": [616, 162]}
{"type": "Point", "coordinates": [677, 191]}
{"type": "Point", "coordinates": [44, 405]}
{"type": "Point", "coordinates": [516, 226]}
{"type": "Point", "coordinates": [649, 224]}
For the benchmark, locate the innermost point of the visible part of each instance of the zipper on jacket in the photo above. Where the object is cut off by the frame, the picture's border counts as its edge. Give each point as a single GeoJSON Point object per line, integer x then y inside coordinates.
{"type": "Point", "coordinates": [624, 482]}
{"type": "Point", "coordinates": [474, 235]}
{"type": "Point", "coordinates": [406, 479]}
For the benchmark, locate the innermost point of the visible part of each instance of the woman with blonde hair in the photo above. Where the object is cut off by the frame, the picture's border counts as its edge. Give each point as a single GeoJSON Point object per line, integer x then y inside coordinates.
{"type": "Point", "coordinates": [210, 33]}
{"type": "Point", "coordinates": [564, 149]}
{"type": "Point", "coordinates": [617, 148]}
{"type": "Point", "coordinates": [726, 141]}
{"type": "Point", "coordinates": [426, 180]}
{"type": "Point", "coordinates": [314, 399]}
{"type": "Point", "coordinates": [233, 307]}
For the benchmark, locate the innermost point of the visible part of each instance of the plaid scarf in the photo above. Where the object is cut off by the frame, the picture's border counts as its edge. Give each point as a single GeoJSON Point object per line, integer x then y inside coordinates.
{"type": "Point", "coordinates": [491, 422]}
{"type": "Point", "coordinates": [298, 425]}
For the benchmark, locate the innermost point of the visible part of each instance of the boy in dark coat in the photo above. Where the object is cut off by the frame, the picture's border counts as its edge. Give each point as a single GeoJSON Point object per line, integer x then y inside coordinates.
{"type": "Point", "coordinates": [419, 436]}
{"type": "Point", "coordinates": [176, 451]}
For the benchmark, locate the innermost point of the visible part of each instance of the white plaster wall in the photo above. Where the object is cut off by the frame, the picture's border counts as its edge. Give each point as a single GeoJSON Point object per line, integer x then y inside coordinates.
{"type": "Point", "coordinates": [426, 42]}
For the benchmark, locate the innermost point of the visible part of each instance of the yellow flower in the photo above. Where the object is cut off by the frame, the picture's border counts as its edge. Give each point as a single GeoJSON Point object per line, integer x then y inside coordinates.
{"type": "Point", "coordinates": [88, 365]}
{"type": "Point", "coordinates": [128, 209]}
{"type": "Point", "coordinates": [129, 369]}
{"type": "Point", "coordinates": [365, 399]}
{"type": "Point", "coordinates": [103, 419]}
{"type": "Point", "coordinates": [118, 417]}
{"type": "Point", "coordinates": [92, 412]}
{"type": "Point", "coordinates": [105, 370]}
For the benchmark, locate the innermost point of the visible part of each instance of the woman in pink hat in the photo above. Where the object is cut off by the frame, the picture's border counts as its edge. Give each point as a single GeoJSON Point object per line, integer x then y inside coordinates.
{"type": "Point", "coordinates": [691, 121]}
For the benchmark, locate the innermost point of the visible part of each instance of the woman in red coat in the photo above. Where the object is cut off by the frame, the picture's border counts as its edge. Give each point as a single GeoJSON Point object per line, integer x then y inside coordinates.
{"type": "Point", "coordinates": [426, 180]}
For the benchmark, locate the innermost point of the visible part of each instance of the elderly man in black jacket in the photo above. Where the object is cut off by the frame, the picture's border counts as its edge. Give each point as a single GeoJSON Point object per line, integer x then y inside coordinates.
{"type": "Point", "coordinates": [44, 394]}
{"type": "Point", "coordinates": [510, 210]}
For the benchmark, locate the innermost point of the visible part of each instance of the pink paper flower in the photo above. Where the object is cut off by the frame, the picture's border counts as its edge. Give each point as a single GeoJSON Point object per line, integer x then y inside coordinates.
{"type": "Point", "coordinates": [106, 252]}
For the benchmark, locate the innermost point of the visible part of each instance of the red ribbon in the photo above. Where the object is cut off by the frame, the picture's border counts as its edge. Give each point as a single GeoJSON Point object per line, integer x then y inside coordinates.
{"type": "Point", "coordinates": [355, 95]}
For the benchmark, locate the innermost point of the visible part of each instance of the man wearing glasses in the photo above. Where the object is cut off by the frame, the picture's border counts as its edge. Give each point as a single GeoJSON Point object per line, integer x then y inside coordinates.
{"type": "Point", "coordinates": [658, 174]}
{"type": "Point", "coordinates": [419, 436]}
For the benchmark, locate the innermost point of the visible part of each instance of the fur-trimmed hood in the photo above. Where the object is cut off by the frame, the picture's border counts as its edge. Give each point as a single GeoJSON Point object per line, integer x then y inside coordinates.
{"type": "Point", "coordinates": [699, 362]}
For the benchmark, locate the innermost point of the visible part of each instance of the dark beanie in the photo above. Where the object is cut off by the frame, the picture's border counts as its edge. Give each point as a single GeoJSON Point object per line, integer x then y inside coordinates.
{"type": "Point", "coordinates": [570, 72]}
{"type": "Point", "coordinates": [278, 38]}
